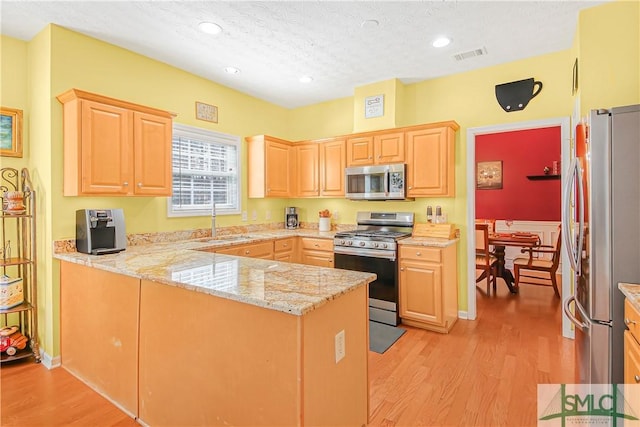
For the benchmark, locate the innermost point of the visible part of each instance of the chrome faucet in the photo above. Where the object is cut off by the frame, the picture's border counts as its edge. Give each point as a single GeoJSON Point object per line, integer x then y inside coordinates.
{"type": "Point", "coordinates": [213, 220]}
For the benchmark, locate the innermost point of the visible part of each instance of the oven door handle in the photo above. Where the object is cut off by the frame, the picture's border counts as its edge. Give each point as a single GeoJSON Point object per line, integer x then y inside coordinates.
{"type": "Point", "coordinates": [365, 253]}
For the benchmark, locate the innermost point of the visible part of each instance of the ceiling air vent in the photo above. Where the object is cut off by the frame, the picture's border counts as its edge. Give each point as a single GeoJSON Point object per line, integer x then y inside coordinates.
{"type": "Point", "coordinates": [470, 54]}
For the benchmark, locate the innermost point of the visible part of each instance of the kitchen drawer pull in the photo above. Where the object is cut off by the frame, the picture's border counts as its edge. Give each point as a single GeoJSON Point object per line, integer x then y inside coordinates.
{"type": "Point", "coordinates": [418, 253]}
{"type": "Point", "coordinates": [316, 245]}
{"type": "Point", "coordinates": [284, 244]}
{"type": "Point", "coordinates": [126, 183]}
{"type": "Point", "coordinates": [637, 378]}
{"type": "Point", "coordinates": [628, 322]}
{"type": "Point", "coordinates": [247, 251]}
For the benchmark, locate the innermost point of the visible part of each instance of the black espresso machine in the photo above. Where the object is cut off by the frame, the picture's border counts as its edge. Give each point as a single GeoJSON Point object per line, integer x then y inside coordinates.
{"type": "Point", "coordinates": [100, 231]}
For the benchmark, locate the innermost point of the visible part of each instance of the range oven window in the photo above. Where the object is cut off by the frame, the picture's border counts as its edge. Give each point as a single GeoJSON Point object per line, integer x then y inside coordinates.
{"type": "Point", "coordinates": [383, 292]}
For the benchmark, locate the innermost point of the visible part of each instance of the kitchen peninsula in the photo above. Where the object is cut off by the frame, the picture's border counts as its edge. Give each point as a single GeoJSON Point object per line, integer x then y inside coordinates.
{"type": "Point", "coordinates": [177, 335]}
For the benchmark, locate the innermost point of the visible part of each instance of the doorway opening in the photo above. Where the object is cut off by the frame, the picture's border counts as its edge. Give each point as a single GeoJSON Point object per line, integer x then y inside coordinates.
{"type": "Point", "coordinates": [472, 133]}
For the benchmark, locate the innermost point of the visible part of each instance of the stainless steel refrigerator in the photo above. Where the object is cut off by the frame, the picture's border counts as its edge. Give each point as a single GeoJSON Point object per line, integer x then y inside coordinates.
{"type": "Point", "coordinates": [601, 203]}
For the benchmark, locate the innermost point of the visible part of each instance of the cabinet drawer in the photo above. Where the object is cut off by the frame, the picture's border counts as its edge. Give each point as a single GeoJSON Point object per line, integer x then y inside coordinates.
{"type": "Point", "coordinates": [284, 245]}
{"type": "Point", "coordinates": [317, 244]}
{"type": "Point", "coordinates": [255, 250]}
{"type": "Point", "coordinates": [420, 253]}
{"type": "Point", "coordinates": [632, 319]}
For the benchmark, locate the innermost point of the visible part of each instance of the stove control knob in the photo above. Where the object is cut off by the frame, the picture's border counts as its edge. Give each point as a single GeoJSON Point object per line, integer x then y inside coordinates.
{"type": "Point", "coordinates": [349, 243]}
{"type": "Point", "coordinates": [342, 242]}
{"type": "Point", "coordinates": [384, 246]}
{"type": "Point", "coordinates": [375, 245]}
{"type": "Point", "coordinates": [362, 243]}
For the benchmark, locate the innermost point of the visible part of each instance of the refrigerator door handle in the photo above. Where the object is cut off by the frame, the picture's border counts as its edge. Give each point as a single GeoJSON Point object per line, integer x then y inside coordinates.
{"type": "Point", "coordinates": [581, 206]}
{"type": "Point", "coordinates": [566, 217]}
{"type": "Point", "coordinates": [582, 325]}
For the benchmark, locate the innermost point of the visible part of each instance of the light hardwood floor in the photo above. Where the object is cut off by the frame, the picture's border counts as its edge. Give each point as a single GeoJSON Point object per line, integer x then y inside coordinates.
{"type": "Point", "coordinates": [484, 373]}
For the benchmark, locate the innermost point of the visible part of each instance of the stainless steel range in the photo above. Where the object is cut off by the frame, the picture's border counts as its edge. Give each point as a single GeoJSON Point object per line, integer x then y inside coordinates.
{"type": "Point", "coordinates": [372, 247]}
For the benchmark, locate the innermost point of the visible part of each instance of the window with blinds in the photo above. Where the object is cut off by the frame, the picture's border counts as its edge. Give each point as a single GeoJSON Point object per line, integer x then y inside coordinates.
{"type": "Point", "coordinates": [206, 168]}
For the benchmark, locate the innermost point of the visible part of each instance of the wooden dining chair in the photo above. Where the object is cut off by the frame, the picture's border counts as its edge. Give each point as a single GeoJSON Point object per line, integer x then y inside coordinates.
{"type": "Point", "coordinates": [491, 222]}
{"type": "Point", "coordinates": [534, 269]}
{"type": "Point", "coordinates": [485, 261]}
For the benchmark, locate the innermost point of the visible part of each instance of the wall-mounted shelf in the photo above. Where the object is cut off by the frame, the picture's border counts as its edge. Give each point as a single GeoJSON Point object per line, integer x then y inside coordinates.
{"type": "Point", "coordinates": [542, 177]}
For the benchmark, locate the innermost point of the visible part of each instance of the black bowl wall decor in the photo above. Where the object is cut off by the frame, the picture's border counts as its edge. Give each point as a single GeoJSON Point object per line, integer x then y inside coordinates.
{"type": "Point", "coordinates": [514, 96]}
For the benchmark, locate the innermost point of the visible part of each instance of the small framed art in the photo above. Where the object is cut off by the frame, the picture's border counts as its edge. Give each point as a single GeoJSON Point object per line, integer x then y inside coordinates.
{"type": "Point", "coordinates": [206, 112]}
{"type": "Point", "coordinates": [10, 132]}
{"type": "Point", "coordinates": [489, 175]}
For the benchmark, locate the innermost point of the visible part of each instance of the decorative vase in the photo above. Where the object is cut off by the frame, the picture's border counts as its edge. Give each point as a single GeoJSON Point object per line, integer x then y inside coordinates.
{"type": "Point", "coordinates": [324, 224]}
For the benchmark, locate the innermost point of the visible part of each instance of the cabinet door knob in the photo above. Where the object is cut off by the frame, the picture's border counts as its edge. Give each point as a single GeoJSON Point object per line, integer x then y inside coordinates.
{"type": "Point", "coordinates": [139, 185]}
{"type": "Point", "coordinates": [247, 252]}
{"type": "Point", "coordinates": [370, 157]}
{"type": "Point", "coordinates": [410, 187]}
{"type": "Point", "coordinates": [628, 322]}
{"type": "Point", "coordinates": [284, 244]}
{"type": "Point", "coordinates": [401, 268]}
{"type": "Point", "coordinates": [418, 253]}
{"type": "Point", "coordinates": [379, 156]}
{"type": "Point", "coordinates": [637, 378]}
{"type": "Point", "coordinates": [126, 183]}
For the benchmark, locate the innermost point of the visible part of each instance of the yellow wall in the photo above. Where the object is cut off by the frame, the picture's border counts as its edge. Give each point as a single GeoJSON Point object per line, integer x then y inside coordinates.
{"type": "Point", "coordinates": [58, 59]}
{"type": "Point", "coordinates": [609, 62]}
{"type": "Point", "coordinates": [13, 91]}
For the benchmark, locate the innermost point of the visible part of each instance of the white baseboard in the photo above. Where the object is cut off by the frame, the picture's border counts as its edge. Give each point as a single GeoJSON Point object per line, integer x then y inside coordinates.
{"type": "Point", "coordinates": [48, 361]}
{"type": "Point", "coordinates": [463, 315]}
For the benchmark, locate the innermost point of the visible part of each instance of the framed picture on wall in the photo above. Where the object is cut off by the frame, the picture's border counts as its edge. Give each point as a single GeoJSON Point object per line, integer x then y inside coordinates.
{"type": "Point", "coordinates": [489, 175]}
{"type": "Point", "coordinates": [10, 132]}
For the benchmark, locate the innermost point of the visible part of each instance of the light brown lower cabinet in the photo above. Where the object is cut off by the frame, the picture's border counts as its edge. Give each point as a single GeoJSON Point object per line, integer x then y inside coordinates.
{"type": "Point", "coordinates": [99, 313]}
{"type": "Point", "coordinates": [172, 356]}
{"type": "Point", "coordinates": [285, 249]}
{"type": "Point", "coordinates": [428, 287]}
{"type": "Point", "coordinates": [315, 251]}
{"type": "Point", "coordinates": [631, 345]}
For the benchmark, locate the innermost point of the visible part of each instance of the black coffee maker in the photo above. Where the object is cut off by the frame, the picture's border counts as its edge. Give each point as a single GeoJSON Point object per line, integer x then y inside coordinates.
{"type": "Point", "coordinates": [291, 218]}
{"type": "Point", "coordinates": [100, 231]}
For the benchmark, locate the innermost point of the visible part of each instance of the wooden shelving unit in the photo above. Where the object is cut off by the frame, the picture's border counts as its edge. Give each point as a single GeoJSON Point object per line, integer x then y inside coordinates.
{"type": "Point", "coordinates": [18, 260]}
{"type": "Point", "coordinates": [542, 177]}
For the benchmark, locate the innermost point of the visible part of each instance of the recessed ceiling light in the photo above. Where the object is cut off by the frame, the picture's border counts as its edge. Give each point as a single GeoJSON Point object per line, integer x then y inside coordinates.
{"type": "Point", "coordinates": [441, 41]}
{"type": "Point", "coordinates": [210, 28]}
{"type": "Point", "coordinates": [306, 79]}
{"type": "Point", "coordinates": [231, 70]}
{"type": "Point", "coordinates": [369, 23]}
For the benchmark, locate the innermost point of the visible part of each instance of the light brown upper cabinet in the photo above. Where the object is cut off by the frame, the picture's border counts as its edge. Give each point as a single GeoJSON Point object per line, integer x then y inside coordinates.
{"type": "Point", "coordinates": [319, 168]}
{"type": "Point", "coordinates": [431, 161]}
{"type": "Point", "coordinates": [380, 148]}
{"type": "Point", "coordinates": [306, 171]}
{"type": "Point", "coordinates": [114, 147]}
{"type": "Point", "coordinates": [332, 165]}
{"type": "Point", "coordinates": [271, 164]}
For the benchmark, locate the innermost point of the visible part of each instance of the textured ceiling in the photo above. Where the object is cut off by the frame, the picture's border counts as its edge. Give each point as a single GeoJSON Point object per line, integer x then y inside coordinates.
{"type": "Point", "coordinates": [274, 43]}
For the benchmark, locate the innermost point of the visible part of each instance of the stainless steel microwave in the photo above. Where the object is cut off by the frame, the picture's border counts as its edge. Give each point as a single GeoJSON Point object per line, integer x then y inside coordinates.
{"type": "Point", "coordinates": [379, 182]}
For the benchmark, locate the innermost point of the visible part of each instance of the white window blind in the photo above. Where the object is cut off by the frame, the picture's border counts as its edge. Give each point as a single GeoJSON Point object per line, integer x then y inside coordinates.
{"type": "Point", "coordinates": [206, 167]}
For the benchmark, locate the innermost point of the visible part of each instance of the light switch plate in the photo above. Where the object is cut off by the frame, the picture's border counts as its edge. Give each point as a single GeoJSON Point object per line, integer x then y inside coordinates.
{"type": "Point", "coordinates": [340, 346]}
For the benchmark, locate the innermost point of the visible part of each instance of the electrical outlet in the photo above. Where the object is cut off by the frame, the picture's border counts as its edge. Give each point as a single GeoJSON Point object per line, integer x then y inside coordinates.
{"type": "Point", "coordinates": [254, 215]}
{"type": "Point", "coordinates": [340, 346]}
{"type": "Point", "coordinates": [267, 215]}
{"type": "Point", "coordinates": [335, 215]}
{"type": "Point", "coordinates": [244, 215]}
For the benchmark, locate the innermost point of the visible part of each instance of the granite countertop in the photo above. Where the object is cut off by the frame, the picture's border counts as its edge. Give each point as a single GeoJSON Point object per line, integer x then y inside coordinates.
{"type": "Point", "coordinates": [632, 292]}
{"type": "Point", "coordinates": [287, 287]}
{"type": "Point", "coordinates": [428, 241]}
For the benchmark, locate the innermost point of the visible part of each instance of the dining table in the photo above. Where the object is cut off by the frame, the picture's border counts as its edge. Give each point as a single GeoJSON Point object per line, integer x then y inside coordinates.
{"type": "Point", "coordinates": [500, 241]}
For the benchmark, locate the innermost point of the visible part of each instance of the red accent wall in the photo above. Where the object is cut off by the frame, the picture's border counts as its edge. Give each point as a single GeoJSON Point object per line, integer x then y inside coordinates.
{"type": "Point", "coordinates": [523, 153]}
